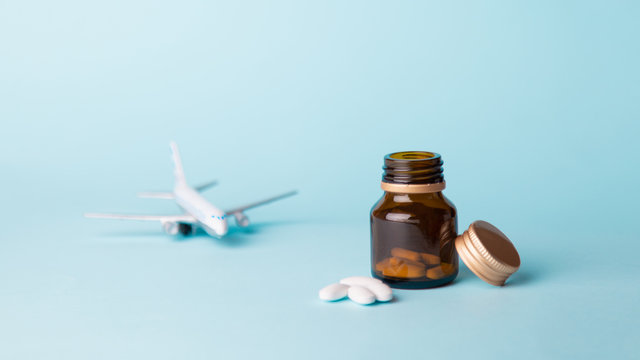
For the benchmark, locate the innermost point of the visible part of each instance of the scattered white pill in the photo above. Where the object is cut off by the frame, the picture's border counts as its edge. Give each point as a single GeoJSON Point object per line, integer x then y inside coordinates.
{"type": "Point", "coordinates": [360, 281]}
{"type": "Point", "coordinates": [333, 292]}
{"type": "Point", "coordinates": [361, 289]}
{"type": "Point", "coordinates": [361, 295]}
{"type": "Point", "coordinates": [382, 291]}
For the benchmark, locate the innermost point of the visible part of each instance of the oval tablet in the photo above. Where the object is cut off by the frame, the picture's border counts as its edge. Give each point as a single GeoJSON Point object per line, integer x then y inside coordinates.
{"type": "Point", "coordinates": [333, 292]}
{"type": "Point", "coordinates": [381, 291]}
{"type": "Point", "coordinates": [360, 281]}
{"type": "Point", "coordinates": [361, 295]}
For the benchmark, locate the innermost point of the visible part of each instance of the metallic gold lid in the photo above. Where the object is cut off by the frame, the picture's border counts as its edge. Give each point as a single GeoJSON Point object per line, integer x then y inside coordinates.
{"type": "Point", "coordinates": [488, 253]}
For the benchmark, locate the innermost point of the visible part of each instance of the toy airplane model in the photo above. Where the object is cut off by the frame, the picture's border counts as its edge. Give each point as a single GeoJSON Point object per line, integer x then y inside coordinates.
{"type": "Point", "coordinates": [198, 211]}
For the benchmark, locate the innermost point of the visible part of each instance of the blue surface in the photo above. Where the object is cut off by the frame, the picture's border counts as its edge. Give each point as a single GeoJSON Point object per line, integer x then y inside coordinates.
{"type": "Point", "coordinates": [533, 106]}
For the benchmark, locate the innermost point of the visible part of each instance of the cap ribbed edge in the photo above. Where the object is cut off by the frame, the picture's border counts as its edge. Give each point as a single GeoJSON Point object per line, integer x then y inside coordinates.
{"type": "Point", "coordinates": [475, 255]}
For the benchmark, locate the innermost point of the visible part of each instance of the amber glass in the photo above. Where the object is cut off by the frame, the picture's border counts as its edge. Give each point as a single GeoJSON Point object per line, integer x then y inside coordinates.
{"type": "Point", "coordinates": [412, 235]}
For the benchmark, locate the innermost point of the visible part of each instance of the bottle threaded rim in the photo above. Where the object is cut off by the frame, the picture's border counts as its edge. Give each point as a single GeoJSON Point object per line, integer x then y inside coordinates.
{"type": "Point", "coordinates": [413, 167]}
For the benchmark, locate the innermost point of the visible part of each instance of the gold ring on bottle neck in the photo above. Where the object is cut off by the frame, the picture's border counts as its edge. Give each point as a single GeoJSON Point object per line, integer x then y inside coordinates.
{"type": "Point", "coordinates": [412, 188]}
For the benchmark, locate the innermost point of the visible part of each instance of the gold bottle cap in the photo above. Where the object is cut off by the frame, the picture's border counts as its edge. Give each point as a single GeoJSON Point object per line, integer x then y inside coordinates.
{"type": "Point", "coordinates": [488, 253]}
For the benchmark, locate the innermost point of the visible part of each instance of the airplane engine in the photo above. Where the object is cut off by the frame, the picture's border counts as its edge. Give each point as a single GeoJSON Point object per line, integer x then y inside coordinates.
{"type": "Point", "coordinates": [175, 228]}
{"type": "Point", "coordinates": [170, 227]}
{"type": "Point", "coordinates": [241, 219]}
{"type": "Point", "coordinates": [186, 229]}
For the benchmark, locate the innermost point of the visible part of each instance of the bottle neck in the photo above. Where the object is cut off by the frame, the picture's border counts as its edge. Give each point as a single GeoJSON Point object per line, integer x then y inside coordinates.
{"type": "Point", "coordinates": [411, 168]}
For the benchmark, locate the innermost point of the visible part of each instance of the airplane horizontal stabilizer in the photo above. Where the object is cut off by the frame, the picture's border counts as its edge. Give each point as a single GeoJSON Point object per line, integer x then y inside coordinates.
{"type": "Point", "coordinates": [205, 186]}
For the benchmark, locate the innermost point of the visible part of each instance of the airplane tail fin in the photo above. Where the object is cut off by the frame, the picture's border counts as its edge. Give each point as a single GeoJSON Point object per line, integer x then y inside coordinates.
{"type": "Point", "coordinates": [178, 172]}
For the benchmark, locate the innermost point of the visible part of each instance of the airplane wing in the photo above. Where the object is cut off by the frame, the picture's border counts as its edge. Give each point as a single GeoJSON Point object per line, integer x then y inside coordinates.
{"type": "Point", "coordinates": [157, 195]}
{"type": "Point", "coordinates": [259, 203]}
{"type": "Point", "coordinates": [185, 218]}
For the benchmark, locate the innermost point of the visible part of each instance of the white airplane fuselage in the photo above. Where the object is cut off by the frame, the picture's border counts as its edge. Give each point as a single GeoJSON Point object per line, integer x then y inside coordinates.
{"type": "Point", "coordinates": [199, 212]}
{"type": "Point", "coordinates": [212, 219]}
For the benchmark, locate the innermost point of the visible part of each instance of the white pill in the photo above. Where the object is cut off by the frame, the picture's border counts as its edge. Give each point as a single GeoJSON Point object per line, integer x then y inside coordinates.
{"type": "Point", "coordinates": [381, 291]}
{"type": "Point", "coordinates": [361, 295]}
{"type": "Point", "coordinates": [360, 281]}
{"type": "Point", "coordinates": [333, 292]}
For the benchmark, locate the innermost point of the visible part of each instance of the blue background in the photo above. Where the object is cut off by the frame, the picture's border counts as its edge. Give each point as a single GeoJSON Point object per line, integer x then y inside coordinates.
{"type": "Point", "coordinates": [534, 107]}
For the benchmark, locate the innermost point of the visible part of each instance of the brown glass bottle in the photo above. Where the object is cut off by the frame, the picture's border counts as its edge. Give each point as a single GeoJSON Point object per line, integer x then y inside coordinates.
{"type": "Point", "coordinates": [413, 225]}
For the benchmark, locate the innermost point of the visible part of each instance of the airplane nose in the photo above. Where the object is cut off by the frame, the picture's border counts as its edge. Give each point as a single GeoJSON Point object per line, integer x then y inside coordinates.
{"type": "Point", "coordinates": [223, 229]}
{"type": "Point", "coordinates": [211, 231]}
{"type": "Point", "coordinates": [217, 229]}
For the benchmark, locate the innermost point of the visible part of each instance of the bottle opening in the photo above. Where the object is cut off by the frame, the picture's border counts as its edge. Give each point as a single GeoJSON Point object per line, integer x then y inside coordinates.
{"type": "Point", "coordinates": [412, 155]}
{"type": "Point", "coordinates": [413, 167]}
